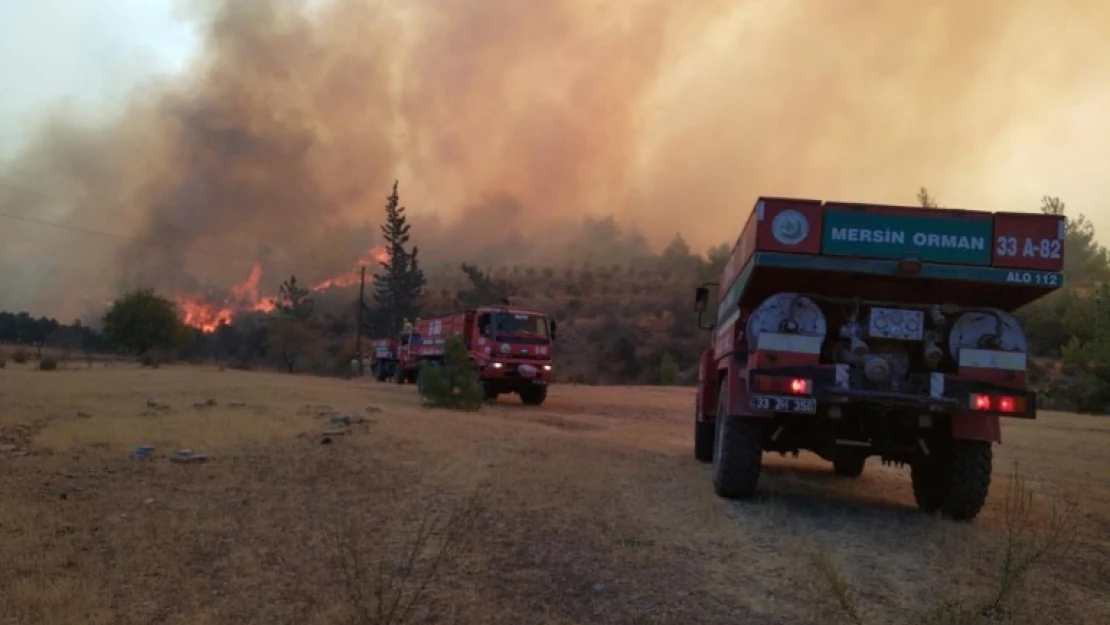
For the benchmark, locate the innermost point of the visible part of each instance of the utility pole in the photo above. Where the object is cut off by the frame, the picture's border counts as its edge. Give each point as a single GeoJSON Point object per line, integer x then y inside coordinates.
{"type": "Point", "coordinates": [358, 314]}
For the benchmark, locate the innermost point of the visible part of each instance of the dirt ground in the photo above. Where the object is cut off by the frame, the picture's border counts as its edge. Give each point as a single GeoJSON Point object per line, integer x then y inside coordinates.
{"type": "Point", "coordinates": [589, 509]}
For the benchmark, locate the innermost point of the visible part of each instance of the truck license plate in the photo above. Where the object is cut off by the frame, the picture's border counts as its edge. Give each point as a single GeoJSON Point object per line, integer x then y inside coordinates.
{"type": "Point", "coordinates": [775, 403]}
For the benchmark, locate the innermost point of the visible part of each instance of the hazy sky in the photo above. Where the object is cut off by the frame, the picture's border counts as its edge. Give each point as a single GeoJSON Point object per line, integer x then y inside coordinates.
{"type": "Point", "coordinates": [673, 115]}
{"type": "Point", "coordinates": [87, 53]}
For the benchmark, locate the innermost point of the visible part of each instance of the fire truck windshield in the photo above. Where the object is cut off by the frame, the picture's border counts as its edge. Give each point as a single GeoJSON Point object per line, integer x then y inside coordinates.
{"type": "Point", "coordinates": [521, 323]}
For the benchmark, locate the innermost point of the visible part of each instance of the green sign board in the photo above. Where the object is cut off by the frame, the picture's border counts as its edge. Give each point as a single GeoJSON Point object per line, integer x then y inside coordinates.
{"type": "Point", "coordinates": [932, 239]}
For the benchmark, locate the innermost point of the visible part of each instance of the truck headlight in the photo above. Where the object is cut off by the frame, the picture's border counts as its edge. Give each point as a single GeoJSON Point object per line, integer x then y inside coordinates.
{"type": "Point", "coordinates": [497, 365]}
{"type": "Point", "coordinates": [547, 367]}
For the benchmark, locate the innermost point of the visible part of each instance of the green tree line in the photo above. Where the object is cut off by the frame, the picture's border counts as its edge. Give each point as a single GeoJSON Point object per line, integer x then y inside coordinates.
{"type": "Point", "coordinates": [627, 312]}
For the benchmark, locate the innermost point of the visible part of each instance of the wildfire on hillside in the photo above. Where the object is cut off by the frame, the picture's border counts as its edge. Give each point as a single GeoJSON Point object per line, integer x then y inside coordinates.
{"type": "Point", "coordinates": [374, 255]}
{"type": "Point", "coordinates": [207, 314]}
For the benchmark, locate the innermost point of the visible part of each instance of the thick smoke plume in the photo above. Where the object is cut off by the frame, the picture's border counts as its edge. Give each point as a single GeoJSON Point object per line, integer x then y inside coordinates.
{"type": "Point", "coordinates": [506, 121]}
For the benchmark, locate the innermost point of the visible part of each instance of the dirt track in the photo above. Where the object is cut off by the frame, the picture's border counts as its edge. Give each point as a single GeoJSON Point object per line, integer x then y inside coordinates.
{"type": "Point", "coordinates": [595, 510]}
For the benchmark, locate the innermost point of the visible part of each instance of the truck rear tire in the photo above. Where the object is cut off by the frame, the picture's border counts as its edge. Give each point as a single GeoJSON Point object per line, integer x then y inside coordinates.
{"type": "Point", "coordinates": [399, 374]}
{"type": "Point", "coordinates": [849, 466]}
{"type": "Point", "coordinates": [957, 483]}
{"type": "Point", "coordinates": [737, 454]}
{"type": "Point", "coordinates": [533, 395]}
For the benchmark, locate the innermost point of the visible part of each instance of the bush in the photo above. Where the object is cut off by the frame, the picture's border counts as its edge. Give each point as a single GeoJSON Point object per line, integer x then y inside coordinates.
{"type": "Point", "coordinates": [150, 358]}
{"type": "Point", "coordinates": [20, 357]}
{"type": "Point", "coordinates": [1030, 538]}
{"type": "Point", "coordinates": [454, 383]}
{"type": "Point", "coordinates": [1082, 392]}
{"type": "Point", "coordinates": [396, 571]}
{"type": "Point", "coordinates": [48, 363]}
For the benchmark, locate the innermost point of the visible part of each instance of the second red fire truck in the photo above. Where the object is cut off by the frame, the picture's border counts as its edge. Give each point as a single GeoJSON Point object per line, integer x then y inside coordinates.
{"type": "Point", "coordinates": [511, 347]}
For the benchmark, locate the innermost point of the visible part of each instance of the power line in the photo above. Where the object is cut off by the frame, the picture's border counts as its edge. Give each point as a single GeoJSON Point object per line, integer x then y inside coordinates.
{"type": "Point", "coordinates": [128, 239]}
{"type": "Point", "coordinates": [183, 249]}
{"type": "Point", "coordinates": [10, 184]}
{"type": "Point", "coordinates": [148, 243]}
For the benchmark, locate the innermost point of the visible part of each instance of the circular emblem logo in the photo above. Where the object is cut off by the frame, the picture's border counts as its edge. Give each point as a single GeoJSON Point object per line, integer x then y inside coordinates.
{"type": "Point", "coordinates": [790, 227]}
{"type": "Point", "coordinates": [505, 348]}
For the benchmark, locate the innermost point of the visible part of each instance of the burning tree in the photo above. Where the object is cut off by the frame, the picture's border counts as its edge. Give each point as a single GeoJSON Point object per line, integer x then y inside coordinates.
{"type": "Point", "coordinates": [292, 340]}
{"type": "Point", "coordinates": [398, 287]}
{"type": "Point", "coordinates": [294, 301]}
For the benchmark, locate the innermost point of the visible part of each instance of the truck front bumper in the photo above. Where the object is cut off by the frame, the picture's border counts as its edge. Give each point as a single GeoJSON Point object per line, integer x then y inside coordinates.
{"type": "Point", "coordinates": [518, 374]}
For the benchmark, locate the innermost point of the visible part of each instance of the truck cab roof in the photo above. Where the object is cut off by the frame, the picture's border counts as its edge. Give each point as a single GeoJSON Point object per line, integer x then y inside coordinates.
{"type": "Point", "coordinates": [508, 310]}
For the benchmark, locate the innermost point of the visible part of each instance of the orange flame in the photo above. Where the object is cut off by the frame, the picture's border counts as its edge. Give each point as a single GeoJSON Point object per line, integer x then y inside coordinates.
{"type": "Point", "coordinates": [376, 254]}
{"type": "Point", "coordinates": [207, 316]}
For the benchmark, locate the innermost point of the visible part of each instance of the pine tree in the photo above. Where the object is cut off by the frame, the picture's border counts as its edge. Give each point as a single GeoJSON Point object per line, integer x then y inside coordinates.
{"type": "Point", "coordinates": [453, 383]}
{"type": "Point", "coordinates": [293, 300]}
{"type": "Point", "coordinates": [398, 287]}
{"type": "Point", "coordinates": [677, 249]}
{"type": "Point", "coordinates": [925, 199]}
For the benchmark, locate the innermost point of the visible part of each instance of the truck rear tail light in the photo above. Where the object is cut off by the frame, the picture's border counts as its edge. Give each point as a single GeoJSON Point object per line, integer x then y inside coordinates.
{"type": "Point", "coordinates": [997, 403]}
{"type": "Point", "coordinates": [792, 386]}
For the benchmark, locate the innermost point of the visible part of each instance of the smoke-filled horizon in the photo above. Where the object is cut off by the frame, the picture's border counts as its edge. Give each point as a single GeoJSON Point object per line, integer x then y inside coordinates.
{"type": "Point", "coordinates": [507, 122]}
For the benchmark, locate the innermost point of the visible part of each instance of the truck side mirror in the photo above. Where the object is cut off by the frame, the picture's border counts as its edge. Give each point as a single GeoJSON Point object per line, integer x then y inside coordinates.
{"type": "Point", "coordinates": [701, 298]}
{"type": "Point", "coordinates": [551, 328]}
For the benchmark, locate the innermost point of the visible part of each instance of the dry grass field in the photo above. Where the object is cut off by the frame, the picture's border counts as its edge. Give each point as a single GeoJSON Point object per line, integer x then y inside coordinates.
{"type": "Point", "coordinates": [589, 509]}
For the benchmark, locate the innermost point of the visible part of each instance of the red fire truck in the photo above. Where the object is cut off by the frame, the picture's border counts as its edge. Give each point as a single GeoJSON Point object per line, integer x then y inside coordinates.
{"type": "Point", "coordinates": [512, 348]}
{"type": "Point", "coordinates": [855, 330]}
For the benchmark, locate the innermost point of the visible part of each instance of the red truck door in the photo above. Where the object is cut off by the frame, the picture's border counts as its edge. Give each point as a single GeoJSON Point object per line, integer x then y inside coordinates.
{"type": "Point", "coordinates": [469, 330]}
